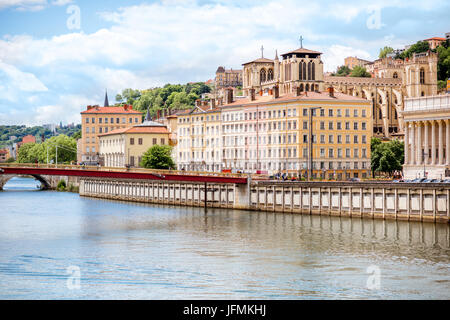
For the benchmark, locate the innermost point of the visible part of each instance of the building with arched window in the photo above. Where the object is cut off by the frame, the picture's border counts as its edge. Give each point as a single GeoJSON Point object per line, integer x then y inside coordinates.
{"type": "Point", "coordinates": [298, 68]}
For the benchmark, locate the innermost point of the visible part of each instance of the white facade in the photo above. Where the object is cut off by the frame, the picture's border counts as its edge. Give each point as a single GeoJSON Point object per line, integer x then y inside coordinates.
{"type": "Point", "coordinates": [427, 137]}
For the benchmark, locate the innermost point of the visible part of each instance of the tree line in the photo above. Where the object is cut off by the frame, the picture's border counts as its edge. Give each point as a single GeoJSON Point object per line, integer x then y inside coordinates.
{"type": "Point", "coordinates": [169, 97]}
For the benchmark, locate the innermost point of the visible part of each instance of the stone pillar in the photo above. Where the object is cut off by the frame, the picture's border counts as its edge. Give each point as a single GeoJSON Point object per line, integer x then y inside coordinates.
{"type": "Point", "coordinates": [419, 143]}
{"type": "Point", "coordinates": [433, 143]}
{"type": "Point", "coordinates": [441, 143]}
{"type": "Point", "coordinates": [427, 146]}
{"type": "Point", "coordinates": [406, 143]}
{"type": "Point", "coordinates": [412, 158]}
{"type": "Point", "coordinates": [447, 142]}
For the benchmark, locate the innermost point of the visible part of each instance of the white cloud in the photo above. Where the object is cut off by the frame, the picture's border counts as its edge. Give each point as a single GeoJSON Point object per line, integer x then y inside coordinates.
{"type": "Point", "coordinates": [174, 41]}
{"type": "Point", "coordinates": [16, 82]}
{"type": "Point", "coordinates": [32, 5]}
{"type": "Point", "coordinates": [335, 55]}
{"type": "Point", "coordinates": [61, 2]}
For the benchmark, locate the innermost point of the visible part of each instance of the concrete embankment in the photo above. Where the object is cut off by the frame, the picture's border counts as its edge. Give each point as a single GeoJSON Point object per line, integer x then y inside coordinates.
{"type": "Point", "coordinates": [400, 201]}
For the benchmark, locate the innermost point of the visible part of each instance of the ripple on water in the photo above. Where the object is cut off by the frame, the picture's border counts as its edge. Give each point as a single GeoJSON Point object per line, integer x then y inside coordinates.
{"type": "Point", "coordinates": [142, 251]}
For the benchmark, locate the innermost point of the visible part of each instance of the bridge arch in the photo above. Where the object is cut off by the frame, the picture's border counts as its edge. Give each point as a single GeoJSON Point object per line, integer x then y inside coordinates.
{"type": "Point", "coordinates": [4, 178]}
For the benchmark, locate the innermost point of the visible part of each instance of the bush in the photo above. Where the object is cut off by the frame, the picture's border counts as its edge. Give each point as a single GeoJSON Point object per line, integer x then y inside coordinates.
{"type": "Point", "coordinates": [61, 185]}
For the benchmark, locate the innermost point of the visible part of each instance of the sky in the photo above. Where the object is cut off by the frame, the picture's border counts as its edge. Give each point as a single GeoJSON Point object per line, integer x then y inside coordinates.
{"type": "Point", "coordinates": [58, 56]}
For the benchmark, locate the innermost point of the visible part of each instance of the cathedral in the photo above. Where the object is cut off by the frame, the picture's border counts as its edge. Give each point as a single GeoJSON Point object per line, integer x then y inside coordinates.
{"type": "Point", "coordinates": [391, 83]}
{"type": "Point", "coordinates": [301, 68]}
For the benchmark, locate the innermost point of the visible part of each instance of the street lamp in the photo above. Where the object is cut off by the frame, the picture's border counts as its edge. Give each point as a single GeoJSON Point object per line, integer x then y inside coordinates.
{"type": "Point", "coordinates": [310, 171]}
{"type": "Point", "coordinates": [424, 161]}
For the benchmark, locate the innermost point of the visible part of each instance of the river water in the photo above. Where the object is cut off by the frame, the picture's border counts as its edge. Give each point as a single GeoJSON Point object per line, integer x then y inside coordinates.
{"type": "Point", "coordinates": [62, 246]}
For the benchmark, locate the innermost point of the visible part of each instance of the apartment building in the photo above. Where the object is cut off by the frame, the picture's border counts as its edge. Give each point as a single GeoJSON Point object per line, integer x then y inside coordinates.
{"type": "Point", "coordinates": [199, 146]}
{"type": "Point", "coordinates": [97, 120]}
{"type": "Point", "coordinates": [272, 134]}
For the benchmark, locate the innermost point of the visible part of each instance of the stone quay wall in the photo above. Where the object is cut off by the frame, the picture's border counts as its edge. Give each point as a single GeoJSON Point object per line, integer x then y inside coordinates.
{"type": "Point", "coordinates": [400, 201]}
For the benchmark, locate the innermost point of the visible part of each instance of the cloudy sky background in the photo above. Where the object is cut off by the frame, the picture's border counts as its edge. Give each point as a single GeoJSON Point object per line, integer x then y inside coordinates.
{"type": "Point", "coordinates": [50, 71]}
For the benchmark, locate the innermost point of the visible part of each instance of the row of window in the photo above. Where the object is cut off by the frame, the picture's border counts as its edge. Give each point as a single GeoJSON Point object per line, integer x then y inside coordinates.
{"type": "Point", "coordinates": [243, 116]}
{"type": "Point", "coordinates": [269, 126]}
{"type": "Point", "coordinates": [111, 120]}
{"type": "Point", "coordinates": [140, 141]}
{"type": "Point", "coordinates": [101, 129]}
{"type": "Point", "coordinates": [231, 141]}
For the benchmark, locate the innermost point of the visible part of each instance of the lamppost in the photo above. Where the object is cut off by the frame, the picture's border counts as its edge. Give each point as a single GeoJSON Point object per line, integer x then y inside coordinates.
{"type": "Point", "coordinates": [310, 171]}
{"type": "Point", "coordinates": [424, 161]}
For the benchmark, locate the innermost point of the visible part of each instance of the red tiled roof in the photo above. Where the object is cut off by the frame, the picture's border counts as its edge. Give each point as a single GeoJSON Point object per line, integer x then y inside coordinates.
{"type": "Point", "coordinates": [115, 110]}
{"type": "Point", "coordinates": [259, 60]}
{"type": "Point", "coordinates": [436, 38]}
{"type": "Point", "coordinates": [137, 129]}
{"type": "Point", "coordinates": [302, 50]}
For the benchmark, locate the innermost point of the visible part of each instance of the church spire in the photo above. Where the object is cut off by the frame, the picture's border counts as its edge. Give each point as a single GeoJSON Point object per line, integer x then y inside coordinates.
{"type": "Point", "coordinates": [276, 54]}
{"type": "Point", "coordinates": [106, 104]}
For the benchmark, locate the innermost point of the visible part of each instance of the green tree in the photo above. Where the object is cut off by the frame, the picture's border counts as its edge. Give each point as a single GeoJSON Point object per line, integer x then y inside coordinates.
{"type": "Point", "coordinates": [77, 135]}
{"type": "Point", "coordinates": [359, 71]}
{"type": "Point", "coordinates": [67, 149]}
{"type": "Point", "coordinates": [418, 47]}
{"type": "Point", "coordinates": [443, 68]}
{"type": "Point", "coordinates": [128, 96]}
{"type": "Point", "coordinates": [158, 157]}
{"type": "Point", "coordinates": [342, 71]}
{"type": "Point", "coordinates": [384, 51]}
{"type": "Point", "coordinates": [386, 156]}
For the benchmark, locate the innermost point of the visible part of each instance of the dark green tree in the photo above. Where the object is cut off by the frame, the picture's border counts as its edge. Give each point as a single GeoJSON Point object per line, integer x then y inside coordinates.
{"type": "Point", "coordinates": [384, 51]}
{"type": "Point", "coordinates": [359, 71]}
{"type": "Point", "coordinates": [158, 157]}
{"type": "Point", "coordinates": [342, 71]}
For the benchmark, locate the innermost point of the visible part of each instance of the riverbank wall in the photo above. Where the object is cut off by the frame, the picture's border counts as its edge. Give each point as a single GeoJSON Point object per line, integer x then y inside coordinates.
{"type": "Point", "coordinates": [398, 201]}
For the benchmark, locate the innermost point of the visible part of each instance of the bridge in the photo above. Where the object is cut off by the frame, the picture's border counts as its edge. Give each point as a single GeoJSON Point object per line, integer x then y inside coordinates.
{"type": "Point", "coordinates": [49, 175]}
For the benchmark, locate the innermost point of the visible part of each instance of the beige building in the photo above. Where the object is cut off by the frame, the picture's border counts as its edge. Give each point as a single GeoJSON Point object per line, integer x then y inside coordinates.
{"type": "Point", "coordinates": [227, 78]}
{"type": "Point", "coordinates": [298, 68]}
{"type": "Point", "coordinates": [271, 134]}
{"type": "Point", "coordinates": [393, 82]}
{"type": "Point", "coordinates": [352, 62]}
{"type": "Point", "coordinates": [427, 137]}
{"type": "Point", "coordinates": [126, 146]}
{"type": "Point", "coordinates": [98, 120]}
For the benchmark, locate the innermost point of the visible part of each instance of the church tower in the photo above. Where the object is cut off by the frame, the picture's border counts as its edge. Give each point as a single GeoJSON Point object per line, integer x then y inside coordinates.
{"type": "Point", "coordinates": [420, 75]}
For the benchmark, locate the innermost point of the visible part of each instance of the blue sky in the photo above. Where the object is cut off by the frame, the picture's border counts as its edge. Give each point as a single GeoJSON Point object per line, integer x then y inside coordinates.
{"type": "Point", "coordinates": [50, 69]}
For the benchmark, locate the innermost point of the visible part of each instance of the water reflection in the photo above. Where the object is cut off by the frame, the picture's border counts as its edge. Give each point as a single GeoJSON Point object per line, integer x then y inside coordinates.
{"type": "Point", "coordinates": [142, 251]}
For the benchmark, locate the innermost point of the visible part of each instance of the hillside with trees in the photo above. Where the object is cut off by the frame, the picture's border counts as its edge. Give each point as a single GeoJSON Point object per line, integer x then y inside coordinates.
{"type": "Point", "coordinates": [171, 96]}
{"type": "Point", "coordinates": [38, 131]}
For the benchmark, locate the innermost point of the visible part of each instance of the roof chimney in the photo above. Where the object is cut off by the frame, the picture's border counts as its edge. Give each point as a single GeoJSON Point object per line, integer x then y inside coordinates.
{"type": "Point", "coordinates": [331, 91]}
{"type": "Point", "coordinates": [212, 103]}
{"type": "Point", "coordinates": [228, 95]}
{"type": "Point", "coordinates": [252, 94]}
{"type": "Point", "coordinates": [276, 92]}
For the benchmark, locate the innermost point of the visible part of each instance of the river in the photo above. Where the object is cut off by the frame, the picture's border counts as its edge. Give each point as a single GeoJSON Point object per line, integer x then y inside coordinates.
{"type": "Point", "coordinates": [57, 245]}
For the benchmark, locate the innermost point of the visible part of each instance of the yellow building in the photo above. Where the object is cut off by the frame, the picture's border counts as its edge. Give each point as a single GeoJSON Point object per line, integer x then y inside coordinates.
{"type": "Point", "coordinates": [271, 134]}
{"type": "Point", "coordinates": [126, 146]}
{"type": "Point", "coordinates": [98, 120]}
